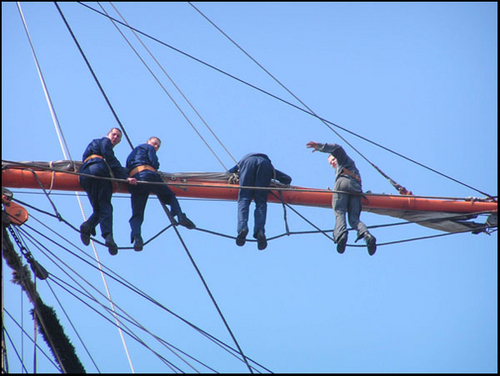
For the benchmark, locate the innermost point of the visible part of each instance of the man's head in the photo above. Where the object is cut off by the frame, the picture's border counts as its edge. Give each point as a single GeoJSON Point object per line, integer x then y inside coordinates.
{"type": "Point", "coordinates": [154, 142]}
{"type": "Point", "coordinates": [332, 160]}
{"type": "Point", "coordinates": [115, 135]}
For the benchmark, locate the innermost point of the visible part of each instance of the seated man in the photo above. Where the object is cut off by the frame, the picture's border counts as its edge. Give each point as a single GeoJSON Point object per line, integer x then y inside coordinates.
{"type": "Point", "coordinates": [143, 164]}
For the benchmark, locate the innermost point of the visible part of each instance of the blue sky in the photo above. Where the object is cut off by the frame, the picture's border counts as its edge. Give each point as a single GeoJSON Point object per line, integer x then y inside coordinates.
{"type": "Point", "coordinates": [417, 78]}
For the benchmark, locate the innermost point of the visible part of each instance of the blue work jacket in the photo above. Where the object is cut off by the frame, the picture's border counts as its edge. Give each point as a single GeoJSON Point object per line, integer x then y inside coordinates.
{"type": "Point", "coordinates": [143, 154]}
{"type": "Point", "coordinates": [104, 148]}
{"type": "Point", "coordinates": [281, 176]}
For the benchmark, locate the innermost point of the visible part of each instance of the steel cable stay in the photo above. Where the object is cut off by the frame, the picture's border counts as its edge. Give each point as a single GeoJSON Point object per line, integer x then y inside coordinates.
{"type": "Point", "coordinates": [180, 238]}
{"type": "Point", "coordinates": [60, 263]}
{"type": "Point", "coordinates": [292, 105]}
{"type": "Point", "coordinates": [62, 220]}
{"type": "Point", "coordinates": [41, 273]}
{"type": "Point", "coordinates": [398, 187]}
{"type": "Point", "coordinates": [174, 84]}
{"type": "Point", "coordinates": [58, 127]}
{"type": "Point", "coordinates": [134, 289]}
{"type": "Point", "coordinates": [288, 233]}
{"type": "Point", "coordinates": [127, 331]}
{"type": "Point", "coordinates": [244, 357]}
{"type": "Point", "coordinates": [283, 188]}
{"type": "Point", "coordinates": [92, 298]}
{"type": "Point", "coordinates": [278, 236]}
{"type": "Point", "coordinates": [44, 317]}
{"type": "Point", "coordinates": [72, 325]}
{"type": "Point", "coordinates": [5, 368]}
{"type": "Point", "coordinates": [26, 334]}
{"type": "Point", "coordinates": [126, 136]}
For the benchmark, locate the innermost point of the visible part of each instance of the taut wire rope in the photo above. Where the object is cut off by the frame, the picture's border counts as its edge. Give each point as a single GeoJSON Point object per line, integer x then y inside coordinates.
{"type": "Point", "coordinates": [164, 89]}
{"type": "Point", "coordinates": [289, 103]}
{"type": "Point", "coordinates": [175, 85]}
{"type": "Point", "coordinates": [65, 147]}
{"type": "Point", "coordinates": [131, 145]}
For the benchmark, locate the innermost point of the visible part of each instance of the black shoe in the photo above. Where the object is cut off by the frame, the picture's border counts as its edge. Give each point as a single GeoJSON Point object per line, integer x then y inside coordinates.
{"type": "Point", "coordinates": [112, 247]}
{"type": "Point", "coordinates": [371, 243]}
{"type": "Point", "coordinates": [261, 240]}
{"type": "Point", "coordinates": [242, 237]}
{"type": "Point", "coordinates": [85, 230]}
{"type": "Point", "coordinates": [185, 221]}
{"type": "Point", "coordinates": [138, 243]}
{"type": "Point", "coordinates": [341, 244]}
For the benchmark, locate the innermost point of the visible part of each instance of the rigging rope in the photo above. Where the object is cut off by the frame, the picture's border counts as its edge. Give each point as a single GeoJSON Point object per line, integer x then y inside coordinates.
{"type": "Point", "coordinates": [58, 128]}
{"type": "Point", "coordinates": [175, 85]}
{"type": "Point", "coordinates": [233, 158]}
{"type": "Point", "coordinates": [94, 75]}
{"type": "Point", "coordinates": [60, 135]}
{"type": "Point", "coordinates": [288, 232]}
{"type": "Point", "coordinates": [289, 103]}
{"type": "Point", "coordinates": [169, 215]}
{"type": "Point", "coordinates": [277, 188]}
{"type": "Point", "coordinates": [122, 281]}
{"type": "Point", "coordinates": [354, 246]}
{"type": "Point", "coordinates": [109, 104]}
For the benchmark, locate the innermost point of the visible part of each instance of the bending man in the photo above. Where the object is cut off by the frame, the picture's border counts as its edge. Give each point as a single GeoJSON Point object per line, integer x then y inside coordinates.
{"type": "Point", "coordinates": [255, 170]}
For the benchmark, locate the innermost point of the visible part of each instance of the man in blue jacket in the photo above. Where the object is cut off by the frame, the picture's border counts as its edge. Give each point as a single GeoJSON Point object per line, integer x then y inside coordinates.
{"type": "Point", "coordinates": [255, 170]}
{"type": "Point", "coordinates": [99, 160]}
{"type": "Point", "coordinates": [143, 164]}
{"type": "Point", "coordinates": [347, 179]}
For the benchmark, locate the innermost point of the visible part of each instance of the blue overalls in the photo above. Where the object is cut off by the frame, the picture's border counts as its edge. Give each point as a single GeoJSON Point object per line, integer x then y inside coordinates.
{"type": "Point", "coordinates": [347, 180]}
{"type": "Point", "coordinates": [255, 170]}
{"type": "Point", "coordinates": [142, 155]}
{"type": "Point", "coordinates": [100, 191]}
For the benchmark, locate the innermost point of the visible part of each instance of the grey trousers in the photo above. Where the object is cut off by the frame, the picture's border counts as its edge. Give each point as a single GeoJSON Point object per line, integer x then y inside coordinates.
{"type": "Point", "coordinates": [345, 203]}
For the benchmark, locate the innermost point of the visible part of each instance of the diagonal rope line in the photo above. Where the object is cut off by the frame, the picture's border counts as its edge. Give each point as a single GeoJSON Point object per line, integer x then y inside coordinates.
{"type": "Point", "coordinates": [165, 90]}
{"type": "Point", "coordinates": [292, 105]}
{"type": "Point", "coordinates": [169, 215]}
{"type": "Point", "coordinates": [110, 273]}
{"type": "Point", "coordinates": [64, 147]}
{"type": "Point", "coordinates": [230, 186]}
{"type": "Point", "coordinates": [294, 96]}
{"type": "Point", "coordinates": [173, 83]}
{"type": "Point", "coordinates": [94, 75]}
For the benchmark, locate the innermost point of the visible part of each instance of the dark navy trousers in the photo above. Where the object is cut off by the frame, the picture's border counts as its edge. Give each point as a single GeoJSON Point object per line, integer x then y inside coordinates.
{"type": "Point", "coordinates": [140, 194]}
{"type": "Point", "coordinates": [99, 192]}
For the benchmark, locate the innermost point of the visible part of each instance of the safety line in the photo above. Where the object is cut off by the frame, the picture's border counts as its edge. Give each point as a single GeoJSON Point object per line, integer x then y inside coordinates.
{"type": "Point", "coordinates": [94, 75]}
{"type": "Point", "coordinates": [66, 270]}
{"type": "Point", "coordinates": [169, 215]}
{"type": "Point", "coordinates": [290, 104]}
{"type": "Point", "coordinates": [126, 284]}
{"type": "Point", "coordinates": [134, 289]}
{"type": "Point", "coordinates": [26, 334]}
{"type": "Point", "coordinates": [228, 186]}
{"type": "Point", "coordinates": [175, 85]}
{"type": "Point", "coordinates": [59, 131]}
{"type": "Point", "coordinates": [74, 38]}
{"type": "Point", "coordinates": [73, 326]}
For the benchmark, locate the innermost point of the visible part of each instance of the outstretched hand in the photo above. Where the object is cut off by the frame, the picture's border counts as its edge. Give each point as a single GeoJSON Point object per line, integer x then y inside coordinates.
{"type": "Point", "coordinates": [314, 145]}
